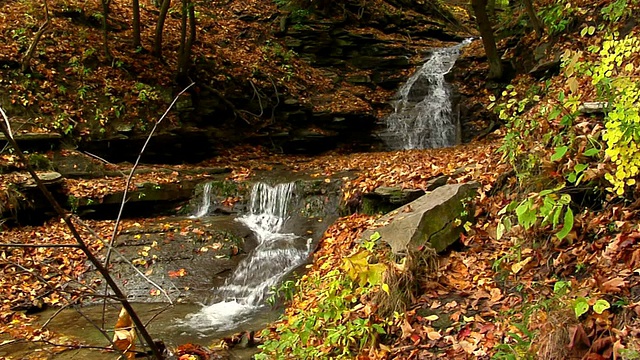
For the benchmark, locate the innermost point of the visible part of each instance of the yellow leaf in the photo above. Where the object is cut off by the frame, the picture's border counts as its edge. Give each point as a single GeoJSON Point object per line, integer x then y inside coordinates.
{"type": "Point", "coordinates": [515, 268]}
{"type": "Point", "coordinates": [433, 335]}
{"type": "Point", "coordinates": [433, 317]}
{"type": "Point", "coordinates": [573, 84]}
{"type": "Point", "coordinates": [385, 288]}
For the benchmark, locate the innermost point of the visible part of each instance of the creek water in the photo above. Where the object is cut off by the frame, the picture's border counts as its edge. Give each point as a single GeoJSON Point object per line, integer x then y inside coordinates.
{"type": "Point", "coordinates": [277, 253]}
{"type": "Point", "coordinates": [423, 114]}
{"type": "Point", "coordinates": [205, 202]}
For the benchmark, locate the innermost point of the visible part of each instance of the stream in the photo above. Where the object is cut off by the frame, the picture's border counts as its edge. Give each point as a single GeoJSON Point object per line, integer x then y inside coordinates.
{"type": "Point", "coordinates": [280, 225]}
{"type": "Point", "coordinates": [276, 255]}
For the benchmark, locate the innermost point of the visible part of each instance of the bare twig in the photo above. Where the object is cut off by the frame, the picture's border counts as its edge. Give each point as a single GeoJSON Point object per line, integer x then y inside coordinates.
{"type": "Point", "coordinates": [83, 246]}
{"type": "Point", "coordinates": [255, 94]}
{"type": "Point", "coordinates": [130, 177]}
{"type": "Point", "coordinates": [123, 258]}
{"type": "Point", "coordinates": [273, 109]}
{"type": "Point", "coordinates": [132, 172]}
{"type": "Point", "coordinates": [158, 314]}
{"type": "Point", "coordinates": [74, 305]}
{"type": "Point", "coordinates": [6, 122]}
{"type": "Point", "coordinates": [99, 158]}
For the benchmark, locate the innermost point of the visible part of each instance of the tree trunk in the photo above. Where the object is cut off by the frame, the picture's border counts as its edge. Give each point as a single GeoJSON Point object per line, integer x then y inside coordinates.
{"type": "Point", "coordinates": [157, 43]}
{"type": "Point", "coordinates": [535, 22]}
{"type": "Point", "coordinates": [186, 41]}
{"type": "Point", "coordinates": [26, 60]}
{"type": "Point", "coordinates": [488, 40]}
{"type": "Point", "coordinates": [183, 40]}
{"type": "Point", "coordinates": [136, 24]}
{"type": "Point", "coordinates": [105, 28]}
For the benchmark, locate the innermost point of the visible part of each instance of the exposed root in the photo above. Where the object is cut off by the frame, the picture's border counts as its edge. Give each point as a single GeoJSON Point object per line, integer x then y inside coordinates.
{"type": "Point", "coordinates": [404, 280]}
{"type": "Point", "coordinates": [554, 338]}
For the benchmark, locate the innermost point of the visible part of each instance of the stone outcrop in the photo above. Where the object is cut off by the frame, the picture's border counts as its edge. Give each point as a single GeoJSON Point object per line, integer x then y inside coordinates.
{"type": "Point", "coordinates": [436, 218]}
{"type": "Point", "coordinates": [385, 199]}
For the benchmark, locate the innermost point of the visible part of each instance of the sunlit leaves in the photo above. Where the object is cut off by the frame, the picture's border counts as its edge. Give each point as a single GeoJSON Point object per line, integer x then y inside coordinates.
{"type": "Point", "coordinates": [600, 306]}
{"type": "Point", "coordinates": [580, 306]}
{"type": "Point", "coordinates": [359, 269]}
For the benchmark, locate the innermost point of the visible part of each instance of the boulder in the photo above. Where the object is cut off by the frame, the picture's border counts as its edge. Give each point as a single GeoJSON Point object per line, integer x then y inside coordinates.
{"type": "Point", "coordinates": [436, 218]}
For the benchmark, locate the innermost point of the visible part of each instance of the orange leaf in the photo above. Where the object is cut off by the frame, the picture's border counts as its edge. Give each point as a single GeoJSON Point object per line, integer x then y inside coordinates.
{"type": "Point", "coordinates": [178, 273]}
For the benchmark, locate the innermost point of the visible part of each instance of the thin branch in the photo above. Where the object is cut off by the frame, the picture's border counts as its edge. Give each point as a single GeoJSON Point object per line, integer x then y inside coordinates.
{"type": "Point", "coordinates": [6, 122]}
{"type": "Point", "coordinates": [133, 169]}
{"type": "Point", "coordinates": [255, 93]}
{"type": "Point", "coordinates": [226, 101]}
{"type": "Point", "coordinates": [99, 158]}
{"type": "Point", "coordinates": [130, 177]}
{"type": "Point", "coordinates": [275, 89]}
{"type": "Point", "coordinates": [132, 172]}
{"type": "Point", "coordinates": [83, 246]}
{"type": "Point", "coordinates": [71, 304]}
{"type": "Point", "coordinates": [123, 258]}
{"type": "Point", "coordinates": [170, 306]}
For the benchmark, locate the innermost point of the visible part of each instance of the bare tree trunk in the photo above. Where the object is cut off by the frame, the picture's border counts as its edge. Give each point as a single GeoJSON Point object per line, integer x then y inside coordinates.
{"type": "Point", "coordinates": [105, 28]}
{"type": "Point", "coordinates": [136, 24]}
{"type": "Point", "coordinates": [26, 60]}
{"type": "Point", "coordinates": [183, 37]}
{"type": "Point", "coordinates": [533, 17]}
{"type": "Point", "coordinates": [186, 42]}
{"type": "Point", "coordinates": [192, 26]}
{"type": "Point", "coordinates": [157, 44]}
{"type": "Point", "coordinates": [488, 40]}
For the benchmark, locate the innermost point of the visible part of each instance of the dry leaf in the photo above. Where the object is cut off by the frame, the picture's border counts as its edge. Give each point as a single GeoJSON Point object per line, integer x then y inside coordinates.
{"type": "Point", "coordinates": [614, 285]}
{"type": "Point", "coordinates": [125, 335]}
{"type": "Point", "coordinates": [515, 268]}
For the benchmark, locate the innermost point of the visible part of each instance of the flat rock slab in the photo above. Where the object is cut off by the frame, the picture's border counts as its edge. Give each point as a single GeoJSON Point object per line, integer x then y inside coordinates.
{"type": "Point", "coordinates": [436, 218]}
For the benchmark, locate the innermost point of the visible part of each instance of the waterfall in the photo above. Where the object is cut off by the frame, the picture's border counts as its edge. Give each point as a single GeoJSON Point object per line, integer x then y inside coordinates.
{"type": "Point", "coordinates": [423, 116]}
{"type": "Point", "coordinates": [205, 204]}
{"type": "Point", "coordinates": [276, 255]}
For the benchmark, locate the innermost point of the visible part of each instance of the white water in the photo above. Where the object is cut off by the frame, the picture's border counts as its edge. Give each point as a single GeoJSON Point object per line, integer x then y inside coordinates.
{"type": "Point", "coordinates": [423, 116]}
{"type": "Point", "coordinates": [277, 254]}
{"type": "Point", "coordinates": [203, 207]}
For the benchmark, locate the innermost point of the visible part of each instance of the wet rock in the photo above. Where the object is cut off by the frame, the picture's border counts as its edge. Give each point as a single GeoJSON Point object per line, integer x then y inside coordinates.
{"type": "Point", "coordinates": [436, 218]}
{"type": "Point", "coordinates": [385, 199]}
{"type": "Point", "coordinates": [76, 164]}
{"type": "Point", "coordinates": [594, 107]}
{"type": "Point", "coordinates": [36, 141]}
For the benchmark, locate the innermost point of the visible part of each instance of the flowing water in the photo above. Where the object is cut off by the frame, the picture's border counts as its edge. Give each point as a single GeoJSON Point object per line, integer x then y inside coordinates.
{"type": "Point", "coordinates": [423, 116]}
{"type": "Point", "coordinates": [276, 255]}
{"type": "Point", "coordinates": [205, 204]}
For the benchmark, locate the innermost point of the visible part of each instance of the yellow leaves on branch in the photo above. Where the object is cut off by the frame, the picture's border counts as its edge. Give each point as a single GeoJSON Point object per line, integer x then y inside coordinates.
{"type": "Point", "coordinates": [615, 74]}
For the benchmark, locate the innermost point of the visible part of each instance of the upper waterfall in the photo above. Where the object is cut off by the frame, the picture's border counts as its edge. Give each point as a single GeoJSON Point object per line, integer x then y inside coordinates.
{"type": "Point", "coordinates": [423, 116]}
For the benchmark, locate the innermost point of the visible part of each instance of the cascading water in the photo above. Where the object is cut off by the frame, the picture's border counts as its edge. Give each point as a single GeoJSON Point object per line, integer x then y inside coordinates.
{"type": "Point", "coordinates": [423, 117]}
{"type": "Point", "coordinates": [277, 254]}
{"type": "Point", "coordinates": [203, 207]}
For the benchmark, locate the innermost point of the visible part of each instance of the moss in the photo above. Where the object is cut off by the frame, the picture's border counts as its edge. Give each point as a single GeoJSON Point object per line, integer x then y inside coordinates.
{"type": "Point", "coordinates": [40, 162]}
